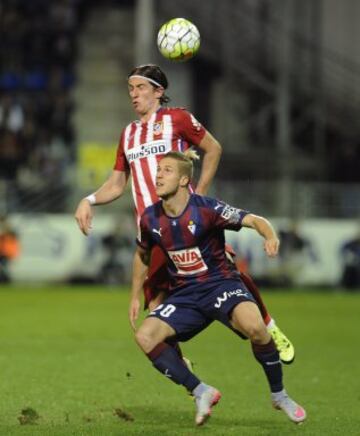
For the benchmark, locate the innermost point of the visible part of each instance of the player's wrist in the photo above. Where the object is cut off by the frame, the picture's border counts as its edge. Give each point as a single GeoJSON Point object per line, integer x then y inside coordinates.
{"type": "Point", "coordinates": [91, 199]}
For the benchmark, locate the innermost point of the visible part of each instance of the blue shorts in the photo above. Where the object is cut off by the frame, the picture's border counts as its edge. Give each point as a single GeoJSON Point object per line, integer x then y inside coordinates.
{"type": "Point", "coordinates": [191, 310]}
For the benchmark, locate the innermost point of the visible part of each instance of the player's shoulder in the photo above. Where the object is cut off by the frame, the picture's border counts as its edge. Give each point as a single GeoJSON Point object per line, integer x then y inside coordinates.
{"type": "Point", "coordinates": [214, 206]}
{"type": "Point", "coordinates": [174, 110]}
{"type": "Point", "coordinates": [152, 210]}
{"type": "Point", "coordinates": [127, 129]}
{"type": "Point", "coordinates": [176, 113]}
{"type": "Point", "coordinates": [205, 202]}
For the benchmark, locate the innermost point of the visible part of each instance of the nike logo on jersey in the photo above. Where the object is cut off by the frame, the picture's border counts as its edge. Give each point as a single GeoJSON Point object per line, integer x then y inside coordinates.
{"type": "Point", "coordinates": [157, 231]}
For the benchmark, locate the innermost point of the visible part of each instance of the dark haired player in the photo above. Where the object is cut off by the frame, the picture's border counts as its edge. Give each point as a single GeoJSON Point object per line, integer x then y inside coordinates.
{"type": "Point", "coordinates": [204, 286]}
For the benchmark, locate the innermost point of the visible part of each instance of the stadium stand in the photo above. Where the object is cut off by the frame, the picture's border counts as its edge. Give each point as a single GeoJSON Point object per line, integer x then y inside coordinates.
{"type": "Point", "coordinates": [38, 48]}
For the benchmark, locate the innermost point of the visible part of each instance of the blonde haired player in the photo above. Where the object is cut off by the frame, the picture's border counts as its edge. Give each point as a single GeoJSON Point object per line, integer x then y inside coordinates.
{"type": "Point", "coordinates": [158, 130]}
{"type": "Point", "coordinates": [204, 287]}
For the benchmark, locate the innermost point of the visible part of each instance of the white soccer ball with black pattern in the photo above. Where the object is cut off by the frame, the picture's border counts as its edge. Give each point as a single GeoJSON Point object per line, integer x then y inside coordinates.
{"type": "Point", "coordinates": [178, 39]}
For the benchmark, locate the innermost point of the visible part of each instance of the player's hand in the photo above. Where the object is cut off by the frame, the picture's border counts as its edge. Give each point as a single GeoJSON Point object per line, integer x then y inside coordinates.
{"type": "Point", "coordinates": [83, 216]}
{"type": "Point", "coordinates": [134, 310]}
{"type": "Point", "coordinates": [271, 246]}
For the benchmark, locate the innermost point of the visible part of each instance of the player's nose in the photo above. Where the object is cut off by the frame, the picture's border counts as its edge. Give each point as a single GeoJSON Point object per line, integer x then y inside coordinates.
{"type": "Point", "coordinates": [133, 93]}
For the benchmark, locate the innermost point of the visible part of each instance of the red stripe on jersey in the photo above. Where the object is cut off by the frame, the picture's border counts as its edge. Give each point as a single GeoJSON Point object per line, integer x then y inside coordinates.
{"type": "Point", "coordinates": [121, 164]}
{"type": "Point", "coordinates": [145, 165]}
{"type": "Point", "coordinates": [144, 129]}
{"type": "Point", "coordinates": [149, 182]}
{"type": "Point", "coordinates": [130, 143]}
{"type": "Point", "coordinates": [139, 198]}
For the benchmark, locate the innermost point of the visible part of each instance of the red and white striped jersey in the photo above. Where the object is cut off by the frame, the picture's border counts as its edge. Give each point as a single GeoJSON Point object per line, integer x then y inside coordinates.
{"type": "Point", "coordinates": [143, 144]}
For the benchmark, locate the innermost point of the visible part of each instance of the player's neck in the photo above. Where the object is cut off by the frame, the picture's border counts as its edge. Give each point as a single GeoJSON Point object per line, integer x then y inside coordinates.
{"type": "Point", "coordinates": [176, 204]}
{"type": "Point", "coordinates": [145, 117]}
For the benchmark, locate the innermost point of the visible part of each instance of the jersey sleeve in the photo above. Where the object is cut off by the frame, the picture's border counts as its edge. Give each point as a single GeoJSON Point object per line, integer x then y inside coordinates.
{"type": "Point", "coordinates": [121, 163]}
{"type": "Point", "coordinates": [189, 127]}
{"type": "Point", "coordinates": [225, 216]}
{"type": "Point", "coordinates": [144, 238]}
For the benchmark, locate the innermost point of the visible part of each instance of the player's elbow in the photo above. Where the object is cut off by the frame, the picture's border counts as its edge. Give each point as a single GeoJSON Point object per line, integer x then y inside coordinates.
{"type": "Point", "coordinates": [211, 146]}
{"type": "Point", "coordinates": [117, 191]}
{"type": "Point", "coordinates": [217, 148]}
{"type": "Point", "coordinates": [256, 222]}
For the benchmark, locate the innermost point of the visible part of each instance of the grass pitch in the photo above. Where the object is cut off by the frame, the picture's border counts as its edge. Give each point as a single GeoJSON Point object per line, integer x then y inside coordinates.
{"type": "Point", "coordinates": [69, 366]}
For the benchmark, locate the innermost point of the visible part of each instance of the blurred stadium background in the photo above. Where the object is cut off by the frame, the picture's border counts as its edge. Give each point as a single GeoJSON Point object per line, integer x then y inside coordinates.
{"type": "Point", "coordinates": [278, 83]}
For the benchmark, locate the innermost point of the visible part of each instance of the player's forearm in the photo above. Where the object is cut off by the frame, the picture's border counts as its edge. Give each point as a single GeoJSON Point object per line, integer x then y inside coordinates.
{"type": "Point", "coordinates": [139, 273]}
{"type": "Point", "coordinates": [264, 227]}
{"type": "Point", "coordinates": [106, 194]}
{"type": "Point", "coordinates": [112, 189]}
{"type": "Point", "coordinates": [209, 166]}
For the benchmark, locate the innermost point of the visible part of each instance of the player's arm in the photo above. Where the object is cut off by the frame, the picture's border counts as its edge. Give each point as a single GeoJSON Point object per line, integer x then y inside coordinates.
{"type": "Point", "coordinates": [212, 153]}
{"type": "Point", "coordinates": [112, 189]}
{"type": "Point", "coordinates": [266, 230]}
{"type": "Point", "coordinates": [140, 269]}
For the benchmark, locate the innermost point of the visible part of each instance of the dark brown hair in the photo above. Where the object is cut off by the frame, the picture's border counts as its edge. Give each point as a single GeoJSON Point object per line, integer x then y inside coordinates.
{"type": "Point", "coordinates": [153, 72]}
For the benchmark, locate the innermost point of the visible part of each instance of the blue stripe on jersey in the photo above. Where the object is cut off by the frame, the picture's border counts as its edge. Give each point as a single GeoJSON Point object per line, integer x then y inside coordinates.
{"type": "Point", "coordinates": [195, 240]}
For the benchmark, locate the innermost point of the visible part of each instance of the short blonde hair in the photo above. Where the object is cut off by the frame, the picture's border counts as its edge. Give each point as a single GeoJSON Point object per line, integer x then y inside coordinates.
{"type": "Point", "coordinates": [186, 159]}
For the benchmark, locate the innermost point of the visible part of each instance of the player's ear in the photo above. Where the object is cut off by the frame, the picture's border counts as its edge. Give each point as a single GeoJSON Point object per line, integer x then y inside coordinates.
{"type": "Point", "coordinates": [184, 181]}
{"type": "Point", "coordinates": [159, 91]}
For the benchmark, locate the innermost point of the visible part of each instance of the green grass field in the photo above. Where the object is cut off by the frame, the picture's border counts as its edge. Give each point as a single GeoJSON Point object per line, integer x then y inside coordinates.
{"type": "Point", "coordinates": [68, 354]}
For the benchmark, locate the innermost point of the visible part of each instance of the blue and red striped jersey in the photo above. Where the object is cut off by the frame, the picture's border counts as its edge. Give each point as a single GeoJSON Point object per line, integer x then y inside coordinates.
{"type": "Point", "coordinates": [194, 242]}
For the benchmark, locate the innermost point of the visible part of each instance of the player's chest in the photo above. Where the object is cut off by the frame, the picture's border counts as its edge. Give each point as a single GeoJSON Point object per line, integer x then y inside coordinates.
{"type": "Point", "coordinates": [151, 140]}
{"type": "Point", "coordinates": [185, 243]}
{"type": "Point", "coordinates": [177, 234]}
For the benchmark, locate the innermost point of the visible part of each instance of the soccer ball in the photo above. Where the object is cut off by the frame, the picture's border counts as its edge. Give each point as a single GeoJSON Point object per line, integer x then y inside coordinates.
{"type": "Point", "coordinates": [178, 39]}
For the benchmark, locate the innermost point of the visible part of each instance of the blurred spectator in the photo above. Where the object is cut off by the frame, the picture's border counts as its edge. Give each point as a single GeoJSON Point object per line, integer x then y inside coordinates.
{"type": "Point", "coordinates": [9, 248]}
{"type": "Point", "coordinates": [350, 257]}
{"type": "Point", "coordinates": [10, 155]}
{"type": "Point", "coordinates": [295, 252]}
{"type": "Point", "coordinates": [37, 55]}
{"type": "Point", "coordinates": [345, 162]}
{"type": "Point", "coordinates": [119, 246]}
{"type": "Point", "coordinates": [11, 113]}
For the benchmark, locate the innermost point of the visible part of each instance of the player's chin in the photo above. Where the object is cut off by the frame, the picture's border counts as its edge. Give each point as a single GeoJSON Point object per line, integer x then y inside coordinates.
{"type": "Point", "coordinates": [160, 192]}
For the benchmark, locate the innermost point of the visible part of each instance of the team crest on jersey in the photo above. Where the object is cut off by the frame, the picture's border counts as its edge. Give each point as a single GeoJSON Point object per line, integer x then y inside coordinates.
{"type": "Point", "coordinates": [158, 128]}
{"type": "Point", "coordinates": [192, 227]}
{"type": "Point", "coordinates": [188, 261]}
